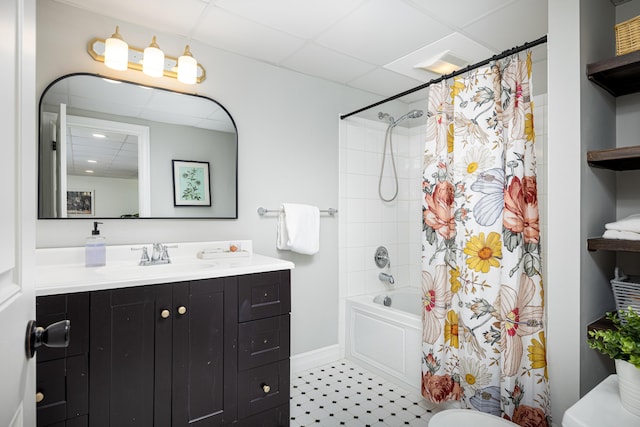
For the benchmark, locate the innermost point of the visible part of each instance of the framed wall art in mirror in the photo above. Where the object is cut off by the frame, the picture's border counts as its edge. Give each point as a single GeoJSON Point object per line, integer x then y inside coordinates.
{"type": "Point", "coordinates": [191, 183]}
{"type": "Point", "coordinates": [121, 138]}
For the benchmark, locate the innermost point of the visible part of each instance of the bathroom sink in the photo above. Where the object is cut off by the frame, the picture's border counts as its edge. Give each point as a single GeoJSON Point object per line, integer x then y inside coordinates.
{"type": "Point", "coordinates": [176, 267]}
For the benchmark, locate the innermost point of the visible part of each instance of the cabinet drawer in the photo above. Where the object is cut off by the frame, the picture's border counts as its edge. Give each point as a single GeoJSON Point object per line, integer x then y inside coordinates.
{"type": "Point", "coordinates": [82, 421]}
{"type": "Point", "coordinates": [263, 341]}
{"type": "Point", "coordinates": [64, 384]}
{"type": "Point", "coordinates": [276, 417]}
{"type": "Point", "coordinates": [264, 295]}
{"type": "Point", "coordinates": [263, 388]}
{"type": "Point", "coordinates": [50, 385]}
{"type": "Point", "coordinates": [75, 308]}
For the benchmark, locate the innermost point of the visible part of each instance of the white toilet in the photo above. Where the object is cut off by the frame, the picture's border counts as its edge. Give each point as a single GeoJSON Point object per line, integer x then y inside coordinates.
{"type": "Point", "coordinates": [467, 417]}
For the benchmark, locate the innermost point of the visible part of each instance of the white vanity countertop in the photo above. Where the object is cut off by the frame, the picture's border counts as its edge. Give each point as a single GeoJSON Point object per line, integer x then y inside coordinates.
{"type": "Point", "coordinates": [62, 270]}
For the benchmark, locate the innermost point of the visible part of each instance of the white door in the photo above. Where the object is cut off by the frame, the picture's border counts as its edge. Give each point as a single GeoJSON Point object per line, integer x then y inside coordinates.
{"type": "Point", "coordinates": [17, 209]}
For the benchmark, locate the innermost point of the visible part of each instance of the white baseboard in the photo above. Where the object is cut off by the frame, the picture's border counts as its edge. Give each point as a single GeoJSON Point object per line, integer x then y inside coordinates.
{"type": "Point", "coordinates": [314, 358]}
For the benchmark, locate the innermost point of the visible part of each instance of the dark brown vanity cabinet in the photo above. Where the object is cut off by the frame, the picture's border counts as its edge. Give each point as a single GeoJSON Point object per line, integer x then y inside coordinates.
{"type": "Point", "coordinates": [264, 303]}
{"type": "Point", "coordinates": [163, 355]}
{"type": "Point", "coordinates": [62, 385]}
{"type": "Point", "coordinates": [207, 352]}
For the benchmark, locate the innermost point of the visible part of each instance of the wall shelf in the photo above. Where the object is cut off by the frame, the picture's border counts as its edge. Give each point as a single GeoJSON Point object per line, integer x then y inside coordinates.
{"type": "Point", "coordinates": [618, 159]}
{"type": "Point", "coordinates": [602, 324]}
{"type": "Point", "coordinates": [602, 244]}
{"type": "Point", "coordinates": [619, 75]}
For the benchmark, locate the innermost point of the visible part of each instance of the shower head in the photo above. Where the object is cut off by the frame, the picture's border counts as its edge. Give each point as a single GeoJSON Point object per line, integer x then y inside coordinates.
{"type": "Point", "coordinates": [413, 114]}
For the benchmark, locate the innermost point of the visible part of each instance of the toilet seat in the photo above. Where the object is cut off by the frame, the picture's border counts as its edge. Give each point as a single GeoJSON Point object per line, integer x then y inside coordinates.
{"type": "Point", "coordinates": [464, 417]}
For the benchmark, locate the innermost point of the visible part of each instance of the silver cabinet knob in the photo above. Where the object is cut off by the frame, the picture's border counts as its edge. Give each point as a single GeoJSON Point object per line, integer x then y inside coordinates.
{"type": "Point", "coordinates": [266, 388]}
{"type": "Point", "coordinates": [182, 309]}
{"type": "Point", "coordinates": [39, 397]}
{"type": "Point", "coordinates": [165, 313]}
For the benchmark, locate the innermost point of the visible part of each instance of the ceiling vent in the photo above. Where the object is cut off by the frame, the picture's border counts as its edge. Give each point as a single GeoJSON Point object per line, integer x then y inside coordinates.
{"type": "Point", "coordinates": [445, 63]}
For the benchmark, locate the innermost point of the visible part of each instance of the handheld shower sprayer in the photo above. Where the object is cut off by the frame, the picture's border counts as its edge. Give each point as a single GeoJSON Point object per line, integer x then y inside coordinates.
{"type": "Point", "coordinates": [413, 114]}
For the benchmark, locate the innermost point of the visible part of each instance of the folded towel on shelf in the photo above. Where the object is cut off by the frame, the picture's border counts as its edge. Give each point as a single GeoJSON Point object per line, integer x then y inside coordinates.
{"type": "Point", "coordinates": [621, 235]}
{"type": "Point", "coordinates": [299, 228]}
{"type": "Point", "coordinates": [630, 223]}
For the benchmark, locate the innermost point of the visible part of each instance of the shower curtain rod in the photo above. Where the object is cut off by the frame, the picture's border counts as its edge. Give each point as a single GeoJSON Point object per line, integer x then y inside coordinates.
{"type": "Point", "coordinates": [496, 57]}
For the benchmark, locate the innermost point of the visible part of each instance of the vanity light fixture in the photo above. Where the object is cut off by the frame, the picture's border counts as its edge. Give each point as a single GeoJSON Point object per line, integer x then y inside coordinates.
{"type": "Point", "coordinates": [152, 61]}
{"type": "Point", "coordinates": [116, 52]}
{"type": "Point", "coordinates": [187, 67]}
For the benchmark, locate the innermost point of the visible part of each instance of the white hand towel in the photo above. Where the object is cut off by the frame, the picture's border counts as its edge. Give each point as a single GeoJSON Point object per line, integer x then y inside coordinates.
{"type": "Point", "coordinates": [622, 235]}
{"type": "Point", "coordinates": [299, 228]}
{"type": "Point", "coordinates": [630, 223]}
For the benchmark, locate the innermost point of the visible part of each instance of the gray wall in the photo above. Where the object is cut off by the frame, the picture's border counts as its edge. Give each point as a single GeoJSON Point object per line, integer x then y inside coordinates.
{"type": "Point", "coordinates": [112, 196]}
{"type": "Point", "coordinates": [288, 152]}
{"type": "Point", "coordinates": [171, 142]}
{"type": "Point", "coordinates": [598, 195]}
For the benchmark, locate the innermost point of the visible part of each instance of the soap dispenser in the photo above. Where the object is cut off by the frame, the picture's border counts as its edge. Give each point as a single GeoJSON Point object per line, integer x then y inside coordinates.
{"type": "Point", "coordinates": [95, 251]}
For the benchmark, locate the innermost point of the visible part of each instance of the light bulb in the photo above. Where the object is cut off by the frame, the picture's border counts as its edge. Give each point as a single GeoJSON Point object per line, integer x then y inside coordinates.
{"type": "Point", "coordinates": [153, 60]}
{"type": "Point", "coordinates": [187, 67]}
{"type": "Point", "coordinates": [116, 52]}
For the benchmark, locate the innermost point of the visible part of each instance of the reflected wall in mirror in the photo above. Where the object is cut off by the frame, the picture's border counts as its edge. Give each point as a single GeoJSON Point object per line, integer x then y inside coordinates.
{"type": "Point", "coordinates": [117, 140]}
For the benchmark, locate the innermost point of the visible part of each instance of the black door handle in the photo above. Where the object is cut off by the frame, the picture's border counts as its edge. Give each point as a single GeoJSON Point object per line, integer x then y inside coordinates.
{"type": "Point", "coordinates": [55, 335]}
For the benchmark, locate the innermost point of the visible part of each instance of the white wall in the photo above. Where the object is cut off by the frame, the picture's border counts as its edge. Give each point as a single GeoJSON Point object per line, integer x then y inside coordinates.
{"type": "Point", "coordinates": [367, 222]}
{"type": "Point", "coordinates": [288, 152]}
{"type": "Point", "coordinates": [564, 240]}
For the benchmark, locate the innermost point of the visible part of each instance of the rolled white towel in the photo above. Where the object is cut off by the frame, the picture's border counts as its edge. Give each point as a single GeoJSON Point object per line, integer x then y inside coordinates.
{"type": "Point", "coordinates": [621, 235]}
{"type": "Point", "coordinates": [630, 223]}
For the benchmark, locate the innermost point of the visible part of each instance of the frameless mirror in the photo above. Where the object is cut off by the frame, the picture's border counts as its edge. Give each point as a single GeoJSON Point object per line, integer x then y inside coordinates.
{"type": "Point", "coordinates": [116, 149]}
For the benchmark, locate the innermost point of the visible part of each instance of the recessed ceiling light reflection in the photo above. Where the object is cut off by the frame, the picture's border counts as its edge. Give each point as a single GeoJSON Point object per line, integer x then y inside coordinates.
{"type": "Point", "coordinates": [88, 171]}
{"type": "Point", "coordinates": [99, 135]}
{"type": "Point", "coordinates": [92, 161]}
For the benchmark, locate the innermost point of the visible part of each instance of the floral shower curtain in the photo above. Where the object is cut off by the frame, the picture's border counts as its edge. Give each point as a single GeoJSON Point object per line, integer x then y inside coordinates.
{"type": "Point", "coordinates": [483, 335]}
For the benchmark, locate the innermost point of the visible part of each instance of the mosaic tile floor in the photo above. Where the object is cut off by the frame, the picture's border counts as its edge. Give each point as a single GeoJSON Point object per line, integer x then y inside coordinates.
{"type": "Point", "coordinates": [344, 394]}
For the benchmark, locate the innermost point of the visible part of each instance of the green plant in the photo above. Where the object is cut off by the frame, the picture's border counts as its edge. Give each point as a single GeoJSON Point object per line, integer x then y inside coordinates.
{"type": "Point", "coordinates": [623, 340]}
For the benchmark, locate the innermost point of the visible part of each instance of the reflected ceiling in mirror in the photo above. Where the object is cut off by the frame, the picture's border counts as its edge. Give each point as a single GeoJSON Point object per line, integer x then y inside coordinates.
{"type": "Point", "coordinates": [120, 139]}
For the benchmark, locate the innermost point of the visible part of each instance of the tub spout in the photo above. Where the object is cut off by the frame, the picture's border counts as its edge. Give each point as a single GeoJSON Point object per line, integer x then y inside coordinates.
{"type": "Point", "coordinates": [384, 277]}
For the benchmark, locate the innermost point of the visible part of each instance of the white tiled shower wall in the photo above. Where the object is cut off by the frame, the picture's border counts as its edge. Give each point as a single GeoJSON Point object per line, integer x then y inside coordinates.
{"type": "Point", "coordinates": [366, 222]}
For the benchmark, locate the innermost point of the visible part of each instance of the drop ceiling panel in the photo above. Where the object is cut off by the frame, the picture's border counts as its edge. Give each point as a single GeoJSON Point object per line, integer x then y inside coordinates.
{"type": "Point", "coordinates": [222, 126]}
{"type": "Point", "coordinates": [460, 13]}
{"type": "Point", "coordinates": [314, 59]}
{"type": "Point", "coordinates": [102, 105]}
{"type": "Point", "coordinates": [304, 19]}
{"type": "Point", "coordinates": [168, 16]}
{"type": "Point", "coordinates": [384, 82]}
{"type": "Point", "coordinates": [180, 104]}
{"type": "Point", "coordinates": [515, 24]}
{"type": "Point", "coordinates": [229, 32]}
{"type": "Point", "coordinates": [380, 30]}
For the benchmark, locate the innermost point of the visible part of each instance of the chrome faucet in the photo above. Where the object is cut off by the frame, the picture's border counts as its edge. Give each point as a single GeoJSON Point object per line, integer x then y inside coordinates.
{"type": "Point", "coordinates": [159, 254]}
{"type": "Point", "coordinates": [384, 277]}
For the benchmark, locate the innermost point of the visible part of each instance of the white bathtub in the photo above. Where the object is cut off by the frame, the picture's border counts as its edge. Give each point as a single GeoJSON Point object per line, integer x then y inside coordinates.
{"type": "Point", "coordinates": [387, 340]}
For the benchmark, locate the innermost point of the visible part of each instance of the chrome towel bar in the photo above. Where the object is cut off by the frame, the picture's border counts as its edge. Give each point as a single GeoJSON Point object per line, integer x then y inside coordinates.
{"type": "Point", "coordinates": [262, 211]}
